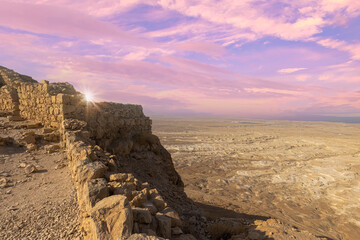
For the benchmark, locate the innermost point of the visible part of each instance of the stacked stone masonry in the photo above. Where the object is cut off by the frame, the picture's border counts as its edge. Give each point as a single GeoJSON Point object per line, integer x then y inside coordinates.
{"type": "Point", "coordinates": [108, 147]}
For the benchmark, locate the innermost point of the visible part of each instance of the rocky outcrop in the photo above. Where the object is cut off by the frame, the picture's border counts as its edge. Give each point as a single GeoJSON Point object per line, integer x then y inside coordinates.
{"type": "Point", "coordinates": [126, 183]}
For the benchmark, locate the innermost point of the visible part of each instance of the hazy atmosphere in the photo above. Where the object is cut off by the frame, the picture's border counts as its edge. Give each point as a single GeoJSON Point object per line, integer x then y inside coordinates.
{"type": "Point", "coordinates": [285, 59]}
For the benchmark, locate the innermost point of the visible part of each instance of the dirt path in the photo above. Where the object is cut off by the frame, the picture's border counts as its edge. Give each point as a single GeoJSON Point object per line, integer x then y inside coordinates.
{"type": "Point", "coordinates": [38, 205]}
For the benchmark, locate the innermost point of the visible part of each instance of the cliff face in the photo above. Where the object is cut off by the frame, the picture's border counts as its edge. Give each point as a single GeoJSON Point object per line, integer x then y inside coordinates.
{"type": "Point", "coordinates": [125, 179]}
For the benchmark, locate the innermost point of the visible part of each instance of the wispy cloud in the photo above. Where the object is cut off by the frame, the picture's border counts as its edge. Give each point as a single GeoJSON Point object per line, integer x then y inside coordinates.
{"type": "Point", "coordinates": [352, 48]}
{"type": "Point", "coordinates": [290, 70]}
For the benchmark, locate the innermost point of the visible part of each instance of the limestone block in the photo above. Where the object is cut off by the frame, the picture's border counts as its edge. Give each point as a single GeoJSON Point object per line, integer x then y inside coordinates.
{"type": "Point", "coordinates": [150, 206]}
{"type": "Point", "coordinates": [112, 218]}
{"type": "Point", "coordinates": [164, 225]}
{"type": "Point", "coordinates": [122, 177]}
{"type": "Point", "coordinates": [89, 171]}
{"type": "Point", "coordinates": [171, 213]}
{"type": "Point", "coordinates": [15, 118]}
{"type": "Point", "coordinates": [48, 130]}
{"type": "Point", "coordinates": [59, 98]}
{"type": "Point", "coordinates": [33, 125]}
{"type": "Point", "coordinates": [94, 191]}
{"type": "Point", "coordinates": [157, 200]}
{"type": "Point", "coordinates": [141, 215]}
{"type": "Point", "coordinates": [123, 188]}
{"type": "Point", "coordinates": [139, 198]}
{"type": "Point", "coordinates": [118, 177]}
{"type": "Point", "coordinates": [55, 124]}
{"type": "Point", "coordinates": [52, 137]}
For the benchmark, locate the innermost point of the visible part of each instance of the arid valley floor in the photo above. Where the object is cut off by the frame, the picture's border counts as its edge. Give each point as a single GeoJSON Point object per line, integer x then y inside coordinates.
{"type": "Point", "coordinates": [303, 173]}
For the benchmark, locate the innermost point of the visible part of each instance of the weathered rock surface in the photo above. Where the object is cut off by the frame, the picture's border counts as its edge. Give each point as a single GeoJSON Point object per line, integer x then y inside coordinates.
{"type": "Point", "coordinates": [141, 215]}
{"type": "Point", "coordinates": [111, 218]}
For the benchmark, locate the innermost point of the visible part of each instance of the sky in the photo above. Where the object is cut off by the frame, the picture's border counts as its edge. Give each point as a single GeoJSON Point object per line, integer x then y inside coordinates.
{"type": "Point", "coordinates": [269, 59]}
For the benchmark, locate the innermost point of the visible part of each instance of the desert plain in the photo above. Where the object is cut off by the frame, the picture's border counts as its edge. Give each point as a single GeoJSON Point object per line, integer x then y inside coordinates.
{"type": "Point", "coordinates": [304, 173]}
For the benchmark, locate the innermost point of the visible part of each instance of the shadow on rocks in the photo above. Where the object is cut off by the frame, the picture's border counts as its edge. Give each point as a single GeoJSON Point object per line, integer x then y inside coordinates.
{"type": "Point", "coordinates": [213, 222]}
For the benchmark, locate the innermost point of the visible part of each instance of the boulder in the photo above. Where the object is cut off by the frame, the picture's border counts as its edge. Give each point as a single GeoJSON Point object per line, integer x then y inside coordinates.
{"type": "Point", "coordinates": [111, 218]}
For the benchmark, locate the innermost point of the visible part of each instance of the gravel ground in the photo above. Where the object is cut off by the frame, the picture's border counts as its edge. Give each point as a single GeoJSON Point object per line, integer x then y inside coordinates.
{"type": "Point", "coordinates": [37, 205]}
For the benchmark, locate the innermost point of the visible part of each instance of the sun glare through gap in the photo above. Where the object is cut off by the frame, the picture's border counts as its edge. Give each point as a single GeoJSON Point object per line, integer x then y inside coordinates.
{"type": "Point", "coordinates": [89, 97]}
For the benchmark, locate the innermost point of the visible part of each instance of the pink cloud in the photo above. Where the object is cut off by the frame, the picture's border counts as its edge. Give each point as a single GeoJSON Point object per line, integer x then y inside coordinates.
{"type": "Point", "coordinates": [93, 7]}
{"type": "Point", "coordinates": [353, 49]}
{"type": "Point", "coordinates": [60, 21]}
{"type": "Point", "coordinates": [290, 70]}
{"type": "Point", "coordinates": [244, 15]}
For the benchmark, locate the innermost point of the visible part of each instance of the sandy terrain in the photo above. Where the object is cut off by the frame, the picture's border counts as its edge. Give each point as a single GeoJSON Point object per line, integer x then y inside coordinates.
{"type": "Point", "coordinates": [304, 173]}
{"type": "Point", "coordinates": [37, 205]}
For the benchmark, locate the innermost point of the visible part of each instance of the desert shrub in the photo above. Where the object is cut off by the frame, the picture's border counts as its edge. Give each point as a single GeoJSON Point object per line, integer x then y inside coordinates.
{"type": "Point", "coordinates": [221, 230]}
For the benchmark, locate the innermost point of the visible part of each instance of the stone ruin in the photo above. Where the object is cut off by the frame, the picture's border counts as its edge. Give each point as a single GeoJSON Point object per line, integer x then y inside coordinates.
{"type": "Point", "coordinates": [125, 179]}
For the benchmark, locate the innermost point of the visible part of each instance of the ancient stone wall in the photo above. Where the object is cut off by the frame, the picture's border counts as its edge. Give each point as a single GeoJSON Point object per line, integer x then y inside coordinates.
{"type": "Point", "coordinates": [50, 103]}
{"type": "Point", "coordinates": [114, 204]}
{"type": "Point", "coordinates": [113, 125]}
{"type": "Point", "coordinates": [124, 178]}
{"type": "Point", "coordinates": [9, 101]}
